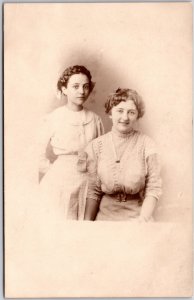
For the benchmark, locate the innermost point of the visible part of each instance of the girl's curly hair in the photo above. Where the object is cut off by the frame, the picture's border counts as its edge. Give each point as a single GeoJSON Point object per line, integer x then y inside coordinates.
{"type": "Point", "coordinates": [63, 80]}
{"type": "Point", "coordinates": [123, 95]}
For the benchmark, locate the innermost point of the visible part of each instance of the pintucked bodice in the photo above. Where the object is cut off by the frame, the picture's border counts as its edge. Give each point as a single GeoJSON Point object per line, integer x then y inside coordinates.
{"type": "Point", "coordinates": [135, 172]}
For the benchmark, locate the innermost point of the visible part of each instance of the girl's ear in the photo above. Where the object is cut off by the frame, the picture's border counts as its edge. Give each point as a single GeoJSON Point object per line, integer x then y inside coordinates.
{"type": "Point", "coordinates": [63, 88]}
{"type": "Point", "coordinates": [92, 86]}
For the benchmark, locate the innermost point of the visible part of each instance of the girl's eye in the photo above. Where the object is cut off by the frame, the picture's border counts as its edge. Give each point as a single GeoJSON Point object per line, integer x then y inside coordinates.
{"type": "Point", "coordinates": [120, 110]}
{"type": "Point", "coordinates": [86, 87]}
{"type": "Point", "coordinates": [76, 87]}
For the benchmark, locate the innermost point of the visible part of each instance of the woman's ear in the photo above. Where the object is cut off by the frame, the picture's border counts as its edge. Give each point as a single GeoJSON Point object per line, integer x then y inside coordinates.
{"type": "Point", "coordinates": [63, 89]}
{"type": "Point", "coordinates": [110, 116]}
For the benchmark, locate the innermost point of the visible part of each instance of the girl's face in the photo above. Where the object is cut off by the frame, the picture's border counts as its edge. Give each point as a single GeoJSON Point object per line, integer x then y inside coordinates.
{"type": "Point", "coordinates": [77, 91]}
{"type": "Point", "coordinates": [124, 115]}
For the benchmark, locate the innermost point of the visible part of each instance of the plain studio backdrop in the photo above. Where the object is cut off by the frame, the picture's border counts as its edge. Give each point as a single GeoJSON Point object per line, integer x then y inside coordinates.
{"type": "Point", "coordinates": [143, 46]}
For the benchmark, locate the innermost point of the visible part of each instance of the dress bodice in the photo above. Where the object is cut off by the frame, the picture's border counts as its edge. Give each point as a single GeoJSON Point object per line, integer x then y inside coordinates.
{"type": "Point", "coordinates": [68, 132]}
{"type": "Point", "coordinates": [130, 175]}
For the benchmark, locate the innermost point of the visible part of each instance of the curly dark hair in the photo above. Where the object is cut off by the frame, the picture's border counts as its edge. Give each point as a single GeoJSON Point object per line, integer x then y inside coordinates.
{"type": "Point", "coordinates": [63, 80]}
{"type": "Point", "coordinates": [124, 95]}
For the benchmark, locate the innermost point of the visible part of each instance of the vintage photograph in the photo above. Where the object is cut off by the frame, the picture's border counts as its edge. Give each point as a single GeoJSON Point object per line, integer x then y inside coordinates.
{"type": "Point", "coordinates": [97, 150]}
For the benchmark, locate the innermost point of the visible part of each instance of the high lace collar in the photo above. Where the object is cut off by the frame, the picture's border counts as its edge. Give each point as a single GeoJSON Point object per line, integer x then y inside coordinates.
{"type": "Point", "coordinates": [124, 135]}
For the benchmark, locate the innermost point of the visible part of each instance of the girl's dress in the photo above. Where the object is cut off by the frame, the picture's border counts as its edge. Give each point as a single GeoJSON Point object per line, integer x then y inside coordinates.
{"type": "Point", "coordinates": [63, 187]}
{"type": "Point", "coordinates": [123, 170]}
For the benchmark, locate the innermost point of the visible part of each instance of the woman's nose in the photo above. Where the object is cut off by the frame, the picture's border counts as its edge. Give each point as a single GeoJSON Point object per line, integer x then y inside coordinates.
{"type": "Point", "coordinates": [125, 116]}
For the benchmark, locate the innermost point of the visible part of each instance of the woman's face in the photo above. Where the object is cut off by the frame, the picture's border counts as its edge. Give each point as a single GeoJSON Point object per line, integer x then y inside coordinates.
{"type": "Point", "coordinates": [77, 91]}
{"type": "Point", "coordinates": [124, 115]}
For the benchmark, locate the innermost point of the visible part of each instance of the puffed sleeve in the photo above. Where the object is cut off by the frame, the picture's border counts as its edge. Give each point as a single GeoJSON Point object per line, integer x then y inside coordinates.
{"type": "Point", "coordinates": [45, 135]}
{"type": "Point", "coordinates": [94, 183]}
{"type": "Point", "coordinates": [153, 185]}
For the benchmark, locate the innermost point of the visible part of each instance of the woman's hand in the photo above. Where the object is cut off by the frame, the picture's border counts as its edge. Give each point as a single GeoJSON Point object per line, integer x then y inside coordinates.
{"type": "Point", "coordinates": [147, 209]}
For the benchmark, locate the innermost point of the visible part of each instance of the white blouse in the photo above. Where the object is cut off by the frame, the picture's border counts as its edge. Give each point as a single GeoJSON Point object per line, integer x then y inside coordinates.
{"type": "Point", "coordinates": [68, 132]}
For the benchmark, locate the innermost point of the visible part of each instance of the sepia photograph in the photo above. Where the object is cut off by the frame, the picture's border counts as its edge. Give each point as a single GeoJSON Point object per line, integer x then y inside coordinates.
{"type": "Point", "coordinates": [97, 150]}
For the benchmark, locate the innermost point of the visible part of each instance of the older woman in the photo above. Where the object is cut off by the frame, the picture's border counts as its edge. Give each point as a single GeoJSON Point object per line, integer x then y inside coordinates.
{"type": "Point", "coordinates": [123, 165]}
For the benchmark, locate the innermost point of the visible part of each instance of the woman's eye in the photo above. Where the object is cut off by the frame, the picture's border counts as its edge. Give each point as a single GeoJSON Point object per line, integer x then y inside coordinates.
{"type": "Point", "coordinates": [76, 87]}
{"type": "Point", "coordinates": [86, 87]}
{"type": "Point", "coordinates": [120, 110]}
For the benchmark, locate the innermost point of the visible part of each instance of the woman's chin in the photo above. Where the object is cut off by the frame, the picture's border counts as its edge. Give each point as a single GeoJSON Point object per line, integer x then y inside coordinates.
{"type": "Point", "coordinates": [123, 129]}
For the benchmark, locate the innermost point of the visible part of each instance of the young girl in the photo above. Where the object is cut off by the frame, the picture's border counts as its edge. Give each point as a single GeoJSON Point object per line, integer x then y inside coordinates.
{"type": "Point", "coordinates": [68, 129]}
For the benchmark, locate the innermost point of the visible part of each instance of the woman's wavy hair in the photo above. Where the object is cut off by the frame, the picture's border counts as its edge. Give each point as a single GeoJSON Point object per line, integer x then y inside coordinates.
{"type": "Point", "coordinates": [63, 80]}
{"type": "Point", "coordinates": [123, 95]}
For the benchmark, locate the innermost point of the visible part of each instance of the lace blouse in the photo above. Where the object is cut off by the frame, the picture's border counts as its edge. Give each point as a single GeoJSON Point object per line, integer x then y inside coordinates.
{"type": "Point", "coordinates": [123, 163]}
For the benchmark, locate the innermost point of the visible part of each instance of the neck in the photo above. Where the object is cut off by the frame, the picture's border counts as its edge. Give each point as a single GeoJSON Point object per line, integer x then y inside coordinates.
{"type": "Point", "coordinates": [74, 107]}
{"type": "Point", "coordinates": [122, 134]}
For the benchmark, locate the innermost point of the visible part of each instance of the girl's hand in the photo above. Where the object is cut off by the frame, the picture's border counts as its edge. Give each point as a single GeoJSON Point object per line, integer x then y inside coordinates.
{"type": "Point", "coordinates": [140, 219]}
{"type": "Point", "coordinates": [40, 176]}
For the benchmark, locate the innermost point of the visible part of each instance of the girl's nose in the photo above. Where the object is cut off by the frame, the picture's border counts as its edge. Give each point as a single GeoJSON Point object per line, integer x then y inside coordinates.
{"type": "Point", "coordinates": [81, 89]}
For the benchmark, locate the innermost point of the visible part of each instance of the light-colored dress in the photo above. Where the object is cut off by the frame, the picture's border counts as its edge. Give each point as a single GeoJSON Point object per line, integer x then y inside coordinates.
{"type": "Point", "coordinates": [123, 170]}
{"type": "Point", "coordinates": [63, 187]}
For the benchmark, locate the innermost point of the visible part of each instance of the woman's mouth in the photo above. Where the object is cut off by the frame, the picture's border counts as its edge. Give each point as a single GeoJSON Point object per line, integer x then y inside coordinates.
{"type": "Point", "coordinates": [82, 98]}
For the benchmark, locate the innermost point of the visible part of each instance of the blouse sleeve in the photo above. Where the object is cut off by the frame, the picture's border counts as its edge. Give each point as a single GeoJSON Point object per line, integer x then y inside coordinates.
{"type": "Point", "coordinates": [44, 138]}
{"type": "Point", "coordinates": [94, 183]}
{"type": "Point", "coordinates": [153, 178]}
{"type": "Point", "coordinates": [100, 127]}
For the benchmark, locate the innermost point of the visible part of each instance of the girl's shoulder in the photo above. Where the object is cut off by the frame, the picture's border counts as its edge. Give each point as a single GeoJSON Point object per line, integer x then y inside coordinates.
{"type": "Point", "coordinates": [64, 110]}
{"type": "Point", "coordinates": [57, 112]}
{"type": "Point", "coordinates": [91, 115]}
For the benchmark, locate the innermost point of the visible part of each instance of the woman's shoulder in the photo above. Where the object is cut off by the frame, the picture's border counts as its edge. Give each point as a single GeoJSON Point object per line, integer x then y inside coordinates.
{"type": "Point", "coordinates": [148, 143]}
{"type": "Point", "coordinates": [101, 139]}
{"type": "Point", "coordinates": [99, 142]}
{"type": "Point", "coordinates": [144, 137]}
